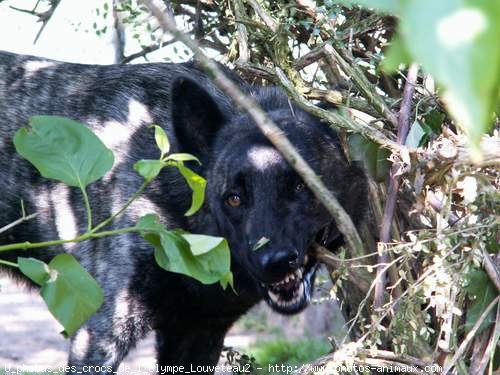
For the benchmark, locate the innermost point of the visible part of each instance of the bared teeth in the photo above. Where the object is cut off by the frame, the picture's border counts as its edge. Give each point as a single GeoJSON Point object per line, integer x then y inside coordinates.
{"type": "Point", "coordinates": [299, 273]}
{"type": "Point", "coordinates": [301, 289]}
{"type": "Point", "coordinates": [292, 277]}
{"type": "Point", "coordinates": [274, 297]}
{"type": "Point", "coordinates": [291, 291]}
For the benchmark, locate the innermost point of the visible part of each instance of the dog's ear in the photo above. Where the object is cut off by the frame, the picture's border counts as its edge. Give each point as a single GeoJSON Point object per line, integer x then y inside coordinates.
{"type": "Point", "coordinates": [196, 116]}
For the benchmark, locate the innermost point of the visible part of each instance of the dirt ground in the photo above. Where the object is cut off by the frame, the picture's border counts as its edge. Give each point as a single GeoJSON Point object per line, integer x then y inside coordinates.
{"type": "Point", "coordinates": [29, 334]}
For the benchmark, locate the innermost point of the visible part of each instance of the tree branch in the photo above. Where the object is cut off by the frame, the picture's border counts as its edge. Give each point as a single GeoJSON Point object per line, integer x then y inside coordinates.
{"type": "Point", "coordinates": [491, 269]}
{"type": "Point", "coordinates": [390, 205]}
{"type": "Point", "coordinates": [145, 51]}
{"type": "Point", "coordinates": [464, 345]}
{"type": "Point", "coordinates": [269, 21]}
{"type": "Point", "coordinates": [362, 84]}
{"type": "Point", "coordinates": [243, 52]}
{"type": "Point", "coordinates": [334, 118]}
{"type": "Point", "coordinates": [43, 17]}
{"type": "Point", "coordinates": [356, 276]}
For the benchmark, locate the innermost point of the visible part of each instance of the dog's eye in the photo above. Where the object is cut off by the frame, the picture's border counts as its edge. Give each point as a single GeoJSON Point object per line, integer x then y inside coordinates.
{"type": "Point", "coordinates": [299, 187]}
{"type": "Point", "coordinates": [233, 200]}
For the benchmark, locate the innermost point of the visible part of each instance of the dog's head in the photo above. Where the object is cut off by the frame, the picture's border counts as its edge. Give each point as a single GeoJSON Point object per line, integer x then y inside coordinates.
{"type": "Point", "coordinates": [259, 203]}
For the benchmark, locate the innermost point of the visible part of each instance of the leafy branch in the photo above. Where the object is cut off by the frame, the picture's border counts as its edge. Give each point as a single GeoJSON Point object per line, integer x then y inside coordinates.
{"type": "Point", "coordinates": [67, 151]}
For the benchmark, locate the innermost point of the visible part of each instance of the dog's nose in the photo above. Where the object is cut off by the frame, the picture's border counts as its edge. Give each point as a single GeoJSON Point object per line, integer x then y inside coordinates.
{"type": "Point", "coordinates": [279, 262]}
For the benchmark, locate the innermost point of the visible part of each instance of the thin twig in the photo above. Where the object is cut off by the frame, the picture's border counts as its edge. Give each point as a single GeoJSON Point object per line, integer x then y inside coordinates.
{"type": "Point", "coordinates": [336, 97]}
{"type": "Point", "coordinates": [362, 84]}
{"type": "Point", "coordinates": [390, 205]}
{"type": "Point", "coordinates": [275, 135]}
{"type": "Point", "coordinates": [269, 21]}
{"type": "Point", "coordinates": [145, 51]}
{"type": "Point", "coordinates": [119, 34]}
{"type": "Point", "coordinates": [338, 120]}
{"type": "Point", "coordinates": [17, 222]}
{"type": "Point", "coordinates": [491, 269]}
{"type": "Point", "coordinates": [463, 347]}
{"type": "Point", "coordinates": [490, 351]}
{"type": "Point", "coordinates": [43, 17]}
{"type": "Point", "coordinates": [358, 277]}
{"type": "Point", "coordinates": [317, 53]}
{"type": "Point", "coordinates": [243, 52]}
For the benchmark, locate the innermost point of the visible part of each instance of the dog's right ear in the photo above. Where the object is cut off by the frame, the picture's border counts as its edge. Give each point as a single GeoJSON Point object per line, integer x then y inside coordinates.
{"type": "Point", "coordinates": [196, 116]}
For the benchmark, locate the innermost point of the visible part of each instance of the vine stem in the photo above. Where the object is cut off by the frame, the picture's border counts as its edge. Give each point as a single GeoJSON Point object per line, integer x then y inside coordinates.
{"type": "Point", "coordinates": [121, 210]}
{"type": "Point", "coordinates": [86, 236]}
{"type": "Point", "coordinates": [87, 208]}
{"type": "Point", "coordinates": [7, 263]}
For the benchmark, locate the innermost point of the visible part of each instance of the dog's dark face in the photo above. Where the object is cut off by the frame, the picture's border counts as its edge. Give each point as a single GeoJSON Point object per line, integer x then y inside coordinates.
{"type": "Point", "coordinates": [258, 201]}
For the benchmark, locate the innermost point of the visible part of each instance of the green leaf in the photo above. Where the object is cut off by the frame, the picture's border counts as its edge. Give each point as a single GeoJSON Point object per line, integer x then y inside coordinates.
{"type": "Point", "coordinates": [204, 258]}
{"type": "Point", "coordinates": [149, 222]}
{"type": "Point", "coordinates": [182, 157]}
{"type": "Point", "coordinates": [415, 135]}
{"type": "Point", "coordinates": [434, 119]}
{"type": "Point", "coordinates": [373, 157]}
{"type": "Point", "coordinates": [397, 54]}
{"type": "Point", "coordinates": [149, 169]}
{"type": "Point", "coordinates": [261, 243]}
{"type": "Point", "coordinates": [481, 292]}
{"type": "Point", "coordinates": [213, 255]}
{"type": "Point", "coordinates": [226, 280]}
{"type": "Point", "coordinates": [35, 269]}
{"type": "Point", "coordinates": [161, 140]}
{"type": "Point", "coordinates": [64, 150]}
{"type": "Point", "coordinates": [201, 244]}
{"type": "Point", "coordinates": [457, 44]}
{"type": "Point", "coordinates": [70, 292]}
{"type": "Point", "coordinates": [197, 185]}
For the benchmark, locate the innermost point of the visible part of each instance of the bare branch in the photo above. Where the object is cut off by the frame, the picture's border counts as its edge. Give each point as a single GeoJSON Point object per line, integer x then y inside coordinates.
{"type": "Point", "coordinates": [356, 276]}
{"type": "Point", "coordinates": [243, 52]}
{"type": "Point", "coordinates": [490, 351]}
{"type": "Point", "coordinates": [363, 85]}
{"type": "Point", "coordinates": [269, 21]}
{"type": "Point", "coordinates": [43, 17]}
{"type": "Point", "coordinates": [311, 57]}
{"type": "Point", "coordinates": [145, 51]}
{"type": "Point", "coordinates": [491, 269]}
{"type": "Point", "coordinates": [369, 132]}
{"type": "Point", "coordinates": [465, 343]}
{"type": "Point", "coordinates": [390, 205]}
{"type": "Point", "coordinates": [119, 35]}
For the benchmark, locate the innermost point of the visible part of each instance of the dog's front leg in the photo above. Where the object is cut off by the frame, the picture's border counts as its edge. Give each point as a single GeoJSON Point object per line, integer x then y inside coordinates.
{"type": "Point", "coordinates": [196, 349]}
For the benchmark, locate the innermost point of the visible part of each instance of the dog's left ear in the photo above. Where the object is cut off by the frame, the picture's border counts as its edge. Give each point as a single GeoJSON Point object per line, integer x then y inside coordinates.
{"type": "Point", "coordinates": [196, 116]}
